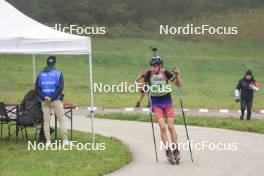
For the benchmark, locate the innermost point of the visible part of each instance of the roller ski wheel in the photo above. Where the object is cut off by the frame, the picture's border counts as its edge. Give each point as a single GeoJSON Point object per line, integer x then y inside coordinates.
{"type": "Point", "coordinates": [170, 156]}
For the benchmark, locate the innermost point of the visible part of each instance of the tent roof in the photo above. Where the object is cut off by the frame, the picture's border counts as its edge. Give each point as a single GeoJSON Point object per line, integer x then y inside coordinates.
{"type": "Point", "coordinates": [20, 34]}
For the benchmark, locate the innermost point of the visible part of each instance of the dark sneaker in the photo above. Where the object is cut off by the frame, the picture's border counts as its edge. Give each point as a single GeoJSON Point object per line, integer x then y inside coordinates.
{"type": "Point", "coordinates": [138, 105]}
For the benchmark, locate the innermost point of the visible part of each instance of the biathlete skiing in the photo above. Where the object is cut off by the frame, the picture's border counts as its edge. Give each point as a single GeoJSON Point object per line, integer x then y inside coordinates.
{"type": "Point", "coordinates": [157, 78]}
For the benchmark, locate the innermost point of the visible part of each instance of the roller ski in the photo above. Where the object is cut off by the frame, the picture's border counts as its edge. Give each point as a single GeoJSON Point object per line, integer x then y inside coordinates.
{"type": "Point", "coordinates": [176, 155]}
{"type": "Point", "coordinates": [170, 156]}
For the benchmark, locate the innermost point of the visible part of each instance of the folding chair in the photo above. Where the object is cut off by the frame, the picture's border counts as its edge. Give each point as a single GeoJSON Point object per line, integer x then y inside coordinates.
{"type": "Point", "coordinates": [25, 121]}
{"type": "Point", "coordinates": [4, 119]}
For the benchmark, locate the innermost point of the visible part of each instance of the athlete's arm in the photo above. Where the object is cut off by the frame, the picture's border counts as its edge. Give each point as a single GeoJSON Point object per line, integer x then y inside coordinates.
{"type": "Point", "coordinates": [147, 77]}
{"type": "Point", "coordinates": [140, 76]}
{"type": "Point", "coordinates": [174, 78]}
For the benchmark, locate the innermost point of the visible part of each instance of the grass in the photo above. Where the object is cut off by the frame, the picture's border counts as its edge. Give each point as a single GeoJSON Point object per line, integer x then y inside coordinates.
{"type": "Point", "coordinates": [254, 125]}
{"type": "Point", "coordinates": [248, 30]}
{"type": "Point", "coordinates": [210, 71]}
{"type": "Point", "coordinates": [17, 160]}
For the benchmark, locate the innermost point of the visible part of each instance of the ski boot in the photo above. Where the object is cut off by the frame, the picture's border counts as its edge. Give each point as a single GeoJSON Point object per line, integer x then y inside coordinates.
{"type": "Point", "coordinates": [176, 155]}
{"type": "Point", "coordinates": [170, 156]}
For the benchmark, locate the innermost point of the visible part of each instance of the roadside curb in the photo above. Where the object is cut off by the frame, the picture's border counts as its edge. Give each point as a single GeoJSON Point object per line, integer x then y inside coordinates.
{"type": "Point", "coordinates": [191, 110]}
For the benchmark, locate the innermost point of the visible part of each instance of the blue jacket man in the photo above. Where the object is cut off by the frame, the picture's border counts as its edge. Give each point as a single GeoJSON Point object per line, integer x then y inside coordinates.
{"type": "Point", "coordinates": [50, 82]}
{"type": "Point", "coordinates": [49, 86]}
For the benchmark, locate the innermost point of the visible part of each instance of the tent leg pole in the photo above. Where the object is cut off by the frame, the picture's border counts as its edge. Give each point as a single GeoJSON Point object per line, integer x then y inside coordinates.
{"type": "Point", "coordinates": [91, 96]}
{"type": "Point", "coordinates": [34, 67]}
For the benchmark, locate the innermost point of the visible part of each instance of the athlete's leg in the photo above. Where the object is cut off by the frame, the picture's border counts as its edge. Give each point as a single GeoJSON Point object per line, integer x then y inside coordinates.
{"type": "Point", "coordinates": [160, 119]}
{"type": "Point", "coordinates": [163, 133]}
{"type": "Point", "coordinates": [170, 122]}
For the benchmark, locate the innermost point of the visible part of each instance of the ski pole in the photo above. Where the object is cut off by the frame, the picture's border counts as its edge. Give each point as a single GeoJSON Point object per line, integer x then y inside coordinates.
{"type": "Point", "coordinates": [153, 130]}
{"type": "Point", "coordinates": [184, 119]}
{"type": "Point", "coordinates": [186, 129]}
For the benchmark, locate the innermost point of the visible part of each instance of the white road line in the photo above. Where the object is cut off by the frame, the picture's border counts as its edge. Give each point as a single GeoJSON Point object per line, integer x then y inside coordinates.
{"type": "Point", "coordinates": [129, 109]}
{"type": "Point", "coordinates": [185, 110]}
{"type": "Point", "coordinates": [239, 111]}
{"type": "Point", "coordinates": [145, 109]}
{"type": "Point", "coordinates": [90, 108]}
{"type": "Point", "coordinates": [224, 111]}
{"type": "Point", "coordinates": [203, 110]}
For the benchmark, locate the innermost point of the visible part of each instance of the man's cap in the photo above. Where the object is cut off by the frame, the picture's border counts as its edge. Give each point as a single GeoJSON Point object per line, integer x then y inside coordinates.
{"type": "Point", "coordinates": [51, 61]}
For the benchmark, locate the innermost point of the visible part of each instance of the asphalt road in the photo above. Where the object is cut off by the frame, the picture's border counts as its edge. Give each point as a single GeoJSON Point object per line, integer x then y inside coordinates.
{"type": "Point", "coordinates": [246, 160]}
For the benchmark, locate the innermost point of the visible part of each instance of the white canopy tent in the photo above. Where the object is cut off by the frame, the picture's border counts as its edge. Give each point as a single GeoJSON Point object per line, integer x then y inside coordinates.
{"type": "Point", "coordinates": [20, 34]}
